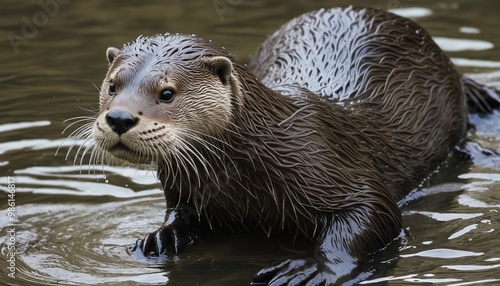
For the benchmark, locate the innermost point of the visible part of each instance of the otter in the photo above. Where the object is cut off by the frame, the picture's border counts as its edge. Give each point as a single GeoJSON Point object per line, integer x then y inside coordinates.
{"type": "Point", "coordinates": [340, 114]}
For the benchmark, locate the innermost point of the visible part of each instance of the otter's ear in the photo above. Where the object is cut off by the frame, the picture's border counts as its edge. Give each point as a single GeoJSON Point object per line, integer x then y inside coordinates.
{"type": "Point", "coordinates": [111, 54]}
{"type": "Point", "coordinates": [221, 66]}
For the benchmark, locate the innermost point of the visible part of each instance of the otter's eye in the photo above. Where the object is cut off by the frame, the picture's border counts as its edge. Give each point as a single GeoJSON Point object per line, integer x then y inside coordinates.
{"type": "Point", "coordinates": [167, 95]}
{"type": "Point", "coordinates": [112, 88]}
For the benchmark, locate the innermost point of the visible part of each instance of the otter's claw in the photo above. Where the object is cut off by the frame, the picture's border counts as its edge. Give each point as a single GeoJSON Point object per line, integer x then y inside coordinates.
{"type": "Point", "coordinates": [295, 272]}
{"type": "Point", "coordinates": [178, 231]}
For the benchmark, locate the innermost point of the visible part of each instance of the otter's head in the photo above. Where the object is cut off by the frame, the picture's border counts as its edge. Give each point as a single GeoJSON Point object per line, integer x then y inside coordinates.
{"type": "Point", "coordinates": [162, 94]}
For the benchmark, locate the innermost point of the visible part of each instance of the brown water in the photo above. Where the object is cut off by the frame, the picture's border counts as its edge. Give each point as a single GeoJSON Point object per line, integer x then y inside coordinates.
{"type": "Point", "coordinates": [73, 226]}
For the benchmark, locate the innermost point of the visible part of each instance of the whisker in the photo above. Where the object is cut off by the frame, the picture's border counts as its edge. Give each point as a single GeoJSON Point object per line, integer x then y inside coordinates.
{"type": "Point", "coordinates": [96, 87]}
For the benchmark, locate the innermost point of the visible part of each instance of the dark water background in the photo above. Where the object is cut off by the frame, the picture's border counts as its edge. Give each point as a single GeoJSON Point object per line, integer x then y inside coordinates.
{"type": "Point", "coordinates": [74, 227]}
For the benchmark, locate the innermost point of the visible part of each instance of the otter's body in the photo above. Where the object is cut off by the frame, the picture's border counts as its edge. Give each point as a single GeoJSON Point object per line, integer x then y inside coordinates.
{"type": "Point", "coordinates": [354, 108]}
{"type": "Point", "coordinates": [374, 63]}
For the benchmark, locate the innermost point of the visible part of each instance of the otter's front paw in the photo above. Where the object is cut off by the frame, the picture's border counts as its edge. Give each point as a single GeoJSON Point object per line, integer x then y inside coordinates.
{"type": "Point", "coordinates": [296, 272]}
{"type": "Point", "coordinates": [177, 232]}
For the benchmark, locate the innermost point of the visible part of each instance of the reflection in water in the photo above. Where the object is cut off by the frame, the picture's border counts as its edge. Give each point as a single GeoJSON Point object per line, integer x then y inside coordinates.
{"type": "Point", "coordinates": [413, 12]}
{"type": "Point", "coordinates": [455, 45]}
{"type": "Point", "coordinates": [443, 253]}
{"type": "Point", "coordinates": [75, 223]}
{"type": "Point", "coordinates": [71, 181]}
{"type": "Point", "coordinates": [71, 243]}
{"type": "Point", "coordinates": [22, 125]}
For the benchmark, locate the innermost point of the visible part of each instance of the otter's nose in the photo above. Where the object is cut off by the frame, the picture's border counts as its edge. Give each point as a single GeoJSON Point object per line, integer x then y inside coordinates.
{"type": "Point", "coordinates": [121, 121]}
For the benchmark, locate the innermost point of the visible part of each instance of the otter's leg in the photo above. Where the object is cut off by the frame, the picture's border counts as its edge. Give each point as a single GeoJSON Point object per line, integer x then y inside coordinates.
{"type": "Point", "coordinates": [478, 154]}
{"type": "Point", "coordinates": [349, 240]}
{"type": "Point", "coordinates": [481, 99]}
{"type": "Point", "coordinates": [181, 227]}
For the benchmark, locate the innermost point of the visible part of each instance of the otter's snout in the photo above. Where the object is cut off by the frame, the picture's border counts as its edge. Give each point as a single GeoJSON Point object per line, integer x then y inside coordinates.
{"type": "Point", "coordinates": [121, 121]}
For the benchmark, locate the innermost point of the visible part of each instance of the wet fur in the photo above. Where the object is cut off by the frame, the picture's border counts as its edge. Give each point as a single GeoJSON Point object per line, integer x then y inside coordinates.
{"type": "Point", "coordinates": [301, 161]}
{"type": "Point", "coordinates": [346, 112]}
{"type": "Point", "coordinates": [388, 68]}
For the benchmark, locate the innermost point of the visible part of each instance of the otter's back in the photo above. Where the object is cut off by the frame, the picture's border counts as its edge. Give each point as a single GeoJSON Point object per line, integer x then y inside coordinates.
{"type": "Point", "coordinates": [373, 62]}
{"type": "Point", "coordinates": [313, 51]}
{"type": "Point", "coordinates": [342, 52]}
